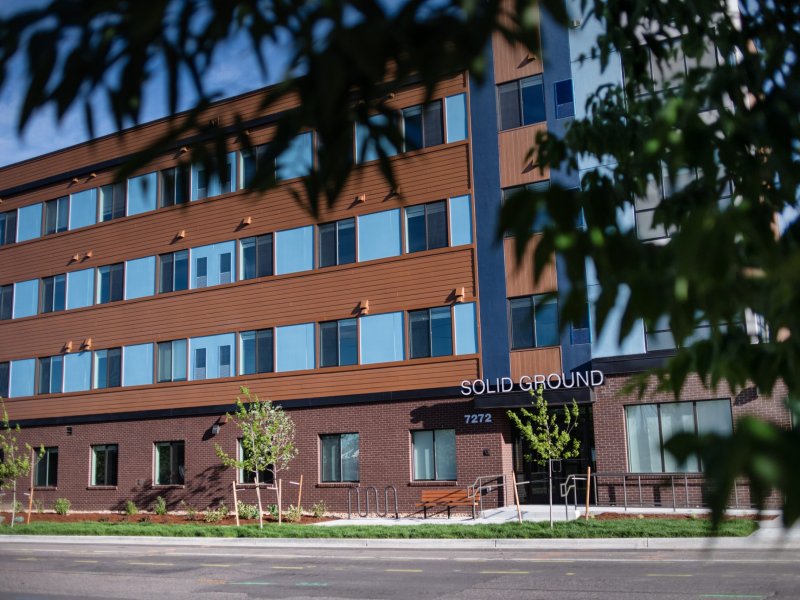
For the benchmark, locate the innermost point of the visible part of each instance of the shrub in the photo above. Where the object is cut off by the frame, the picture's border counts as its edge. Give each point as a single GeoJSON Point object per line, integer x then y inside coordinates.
{"type": "Point", "coordinates": [38, 505]}
{"type": "Point", "coordinates": [293, 514]}
{"type": "Point", "coordinates": [215, 515]}
{"type": "Point", "coordinates": [62, 506]}
{"type": "Point", "coordinates": [319, 509]}
{"type": "Point", "coordinates": [273, 510]}
{"type": "Point", "coordinates": [247, 511]}
{"type": "Point", "coordinates": [191, 511]}
{"type": "Point", "coordinates": [130, 508]}
{"type": "Point", "coordinates": [17, 506]}
{"type": "Point", "coordinates": [160, 507]}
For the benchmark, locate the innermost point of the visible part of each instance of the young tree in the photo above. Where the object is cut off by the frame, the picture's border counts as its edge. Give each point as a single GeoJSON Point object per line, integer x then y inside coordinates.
{"type": "Point", "coordinates": [267, 441]}
{"type": "Point", "coordinates": [14, 463]}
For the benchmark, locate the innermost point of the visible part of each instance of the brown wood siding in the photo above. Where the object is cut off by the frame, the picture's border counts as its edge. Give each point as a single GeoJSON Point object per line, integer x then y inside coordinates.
{"type": "Point", "coordinates": [423, 176]}
{"type": "Point", "coordinates": [513, 61]}
{"type": "Point", "coordinates": [515, 168]}
{"type": "Point", "coordinates": [129, 141]}
{"type": "Point", "coordinates": [537, 361]}
{"type": "Point", "coordinates": [418, 374]}
{"type": "Point", "coordinates": [519, 276]}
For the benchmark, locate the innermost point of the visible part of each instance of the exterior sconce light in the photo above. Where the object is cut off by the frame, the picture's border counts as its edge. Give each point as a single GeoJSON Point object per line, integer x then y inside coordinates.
{"type": "Point", "coordinates": [363, 307]}
{"type": "Point", "coordinates": [87, 344]}
{"type": "Point", "coordinates": [180, 235]}
{"type": "Point", "coordinates": [215, 429]}
{"type": "Point", "coordinates": [361, 198]}
{"type": "Point", "coordinates": [247, 221]}
{"type": "Point", "coordinates": [458, 294]}
{"type": "Point", "coordinates": [67, 347]}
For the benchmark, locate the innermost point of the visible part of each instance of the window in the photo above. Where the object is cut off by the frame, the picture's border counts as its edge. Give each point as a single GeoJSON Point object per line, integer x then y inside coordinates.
{"type": "Point", "coordinates": [51, 372]}
{"type": "Point", "coordinates": [170, 468]}
{"type": "Point", "coordinates": [422, 126]}
{"type": "Point", "coordinates": [77, 371]}
{"type": "Point", "coordinates": [225, 361]}
{"type": "Point", "coordinates": [253, 160]}
{"type": "Point", "coordinates": [534, 322]}
{"type": "Point", "coordinates": [171, 361]}
{"type": "Point", "coordinates": [107, 368]}
{"type": "Point", "coordinates": [174, 186]}
{"type": "Point", "coordinates": [294, 347]}
{"type": "Point", "coordinates": [426, 226]}
{"type": "Point", "coordinates": [104, 464]}
{"type": "Point", "coordinates": [6, 301]}
{"type": "Point", "coordinates": [542, 218]}
{"type": "Point", "coordinates": [26, 299]}
{"type": "Point", "coordinates": [565, 99]}
{"type": "Point", "coordinates": [337, 243]}
{"type": "Point", "coordinates": [212, 264]}
{"type": "Point", "coordinates": [111, 200]}
{"type": "Point", "coordinates": [255, 257]}
{"type": "Point", "coordinates": [381, 338]}
{"type": "Point", "coordinates": [140, 277]}
{"type": "Point", "coordinates": [211, 356]}
{"type": "Point", "coordinates": [460, 221]}
{"type": "Point", "coordinates": [110, 283]}
{"type": "Point", "coordinates": [367, 149]}
{"type": "Point", "coordinates": [339, 457]}
{"type": "Point", "coordinates": [209, 181]}
{"type": "Point", "coordinates": [47, 468]}
{"type": "Point", "coordinates": [431, 332]}
{"type": "Point", "coordinates": [298, 158]}
{"type": "Point", "coordinates": [379, 235]}
{"type": "Point", "coordinates": [173, 271]}
{"type": "Point", "coordinates": [658, 189]}
{"type": "Point", "coordinates": [80, 288]}
{"type": "Point", "coordinates": [466, 328]}
{"type": "Point", "coordinates": [521, 102]}
{"type": "Point", "coordinates": [649, 426]}
{"type": "Point", "coordinates": [29, 222]}
{"type": "Point", "coordinates": [201, 271]}
{"type": "Point", "coordinates": [265, 475]}
{"type": "Point", "coordinates": [22, 378]}
{"type": "Point", "coordinates": [670, 72]}
{"type": "Point", "coordinates": [5, 379]}
{"type": "Point", "coordinates": [257, 351]}
{"type": "Point", "coordinates": [199, 363]}
{"type": "Point", "coordinates": [338, 343]}
{"type": "Point", "coordinates": [54, 293]}
{"type": "Point", "coordinates": [142, 193]}
{"type": "Point", "coordinates": [294, 250]}
{"type": "Point", "coordinates": [434, 454]}
{"type": "Point", "coordinates": [137, 365]}
{"type": "Point", "coordinates": [83, 209]}
{"type": "Point", "coordinates": [456, 111]}
{"type": "Point", "coordinates": [8, 227]}
{"type": "Point", "coordinates": [56, 215]}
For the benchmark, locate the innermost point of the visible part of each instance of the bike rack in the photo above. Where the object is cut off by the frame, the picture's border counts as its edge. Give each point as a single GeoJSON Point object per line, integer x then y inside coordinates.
{"type": "Point", "coordinates": [374, 491]}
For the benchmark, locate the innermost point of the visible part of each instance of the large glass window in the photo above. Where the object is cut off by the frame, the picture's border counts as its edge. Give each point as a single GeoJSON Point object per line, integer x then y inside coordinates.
{"type": "Point", "coordinates": [137, 364]}
{"type": "Point", "coordinates": [174, 186]}
{"type": "Point", "coordinates": [338, 343]}
{"type": "Point", "coordinates": [26, 298]}
{"type": "Point", "coordinates": [51, 375]}
{"type": "Point", "coordinates": [80, 288]}
{"type": "Point", "coordinates": [294, 346]}
{"type": "Point", "coordinates": [252, 160]}
{"type": "Point", "coordinates": [265, 475]}
{"type": "Point", "coordinates": [173, 271]}
{"type": "Point", "coordinates": [456, 110]}
{"type": "Point", "coordinates": [431, 332]}
{"type": "Point", "coordinates": [8, 227]}
{"type": "Point", "coordinates": [649, 426]}
{"type": "Point", "coordinates": [47, 468]}
{"type": "Point", "coordinates": [426, 226]}
{"type": "Point", "coordinates": [111, 201]}
{"type": "Point", "coordinates": [294, 250]}
{"type": "Point", "coordinates": [257, 352]}
{"type": "Point", "coordinates": [466, 328]}
{"type": "Point", "coordinates": [29, 222]}
{"type": "Point", "coordinates": [211, 356]}
{"type": "Point", "coordinates": [460, 221]}
{"type": "Point", "coordinates": [379, 235]}
{"type": "Point", "coordinates": [521, 102]}
{"type": "Point", "coordinates": [54, 293]}
{"type": "Point", "coordinates": [140, 277]}
{"type": "Point", "coordinates": [212, 264]}
{"type": "Point", "coordinates": [142, 193]}
{"type": "Point", "coordinates": [170, 465]}
{"type": "Point", "coordinates": [382, 338]}
{"type": "Point", "coordinates": [110, 283]}
{"type": "Point", "coordinates": [255, 257]}
{"type": "Point", "coordinates": [434, 453]}
{"type": "Point", "coordinates": [56, 215]}
{"type": "Point", "coordinates": [422, 126]}
{"type": "Point", "coordinates": [534, 322]}
{"type": "Point", "coordinates": [339, 457]}
{"type": "Point", "coordinates": [298, 158]}
{"type": "Point", "coordinates": [104, 464]}
{"type": "Point", "coordinates": [107, 368]}
{"type": "Point", "coordinates": [22, 378]}
{"type": "Point", "coordinates": [83, 209]}
{"type": "Point", "coordinates": [77, 371]}
{"type": "Point", "coordinates": [5, 379]}
{"type": "Point", "coordinates": [6, 301]}
{"type": "Point", "coordinates": [366, 149]}
{"type": "Point", "coordinates": [208, 182]}
{"type": "Point", "coordinates": [172, 361]}
{"type": "Point", "coordinates": [337, 243]}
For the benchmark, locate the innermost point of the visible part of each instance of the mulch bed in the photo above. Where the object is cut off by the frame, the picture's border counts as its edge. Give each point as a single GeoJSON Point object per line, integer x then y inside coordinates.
{"type": "Point", "coordinates": [168, 519]}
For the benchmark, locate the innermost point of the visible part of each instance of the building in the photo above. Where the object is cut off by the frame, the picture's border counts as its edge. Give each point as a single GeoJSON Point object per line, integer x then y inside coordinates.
{"type": "Point", "coordinates": [397, 333]}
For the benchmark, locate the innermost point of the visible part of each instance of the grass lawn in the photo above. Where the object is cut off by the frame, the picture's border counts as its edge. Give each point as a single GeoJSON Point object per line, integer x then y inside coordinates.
{"type": "Point", "coordinates": [623, 528]}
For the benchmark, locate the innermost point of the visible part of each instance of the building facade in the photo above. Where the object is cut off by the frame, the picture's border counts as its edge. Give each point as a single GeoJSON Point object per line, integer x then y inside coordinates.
{"type": "Point", "coordinates": [396, 330]}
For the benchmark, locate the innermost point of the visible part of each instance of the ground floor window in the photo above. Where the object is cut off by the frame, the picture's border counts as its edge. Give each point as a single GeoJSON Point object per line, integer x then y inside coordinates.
{"type": "Point", "coordinates": [47, 468]}
{"type": "Point", "coordinates": [434, 454]}
{"type": "Point", "coordinates": [649, 426]}
{"type": "Point", "coordinates": [170, 468]}
{"type": "Point", "coordinates": [245, 476]}
{"type": "Point", "coordinates": [104, 464]}
{"type": "Point", "coordinates": [339, 457]}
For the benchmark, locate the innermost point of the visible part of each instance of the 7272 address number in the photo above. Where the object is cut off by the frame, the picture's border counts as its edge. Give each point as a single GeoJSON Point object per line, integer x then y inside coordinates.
{"type": "Point", "coordinates": [476, 418]}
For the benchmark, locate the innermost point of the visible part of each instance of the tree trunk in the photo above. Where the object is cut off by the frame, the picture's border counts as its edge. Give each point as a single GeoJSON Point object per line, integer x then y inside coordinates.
{"type": "Point", "coordinates": [14, 503]}
{"type": "Point", "coordinates": [258, 495]}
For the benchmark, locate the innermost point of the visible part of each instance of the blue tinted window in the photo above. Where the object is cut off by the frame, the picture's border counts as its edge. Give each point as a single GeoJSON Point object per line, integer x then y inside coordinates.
{"type": "Point", "coordinates": [382, 338]}
{"type": "Point", "coordinates": [460, 221]}
{"type": "Point", "coordinates": [338, 343]}
{"type": "Point", "coordinates": [142, 193]}
{"type": "Point", "coordinates": [26, 298]}
{"type": "Point", "coordinates": [51, 373]}
{"type": "Point", "coordinates": [29, 222]}
{"type": "Point", "coordinates": [257, 351]}
{"type": "Point", "coordinates": [294, 250]}
{"type": "Point", "coordinates": [77, 372]}
{"type": "Point", "coordinates": [108, 368]}
{"type": "Point", "coordinates": [80, 288]}
{"type": "Point", "coordinates": [172, 361]}
{"type": "Point", "coordinates": [431, 332]}
{"type": "Point", "coordinates": [137, 364]}
{"type": "Point", "coordinates": [565, 104]}
{"type": "Point", "coordinates": [211, 265]}
{"type": "Point", "coordinates": [83, 209]}
{"type": "Point", "coordinates": [466, 328]}
{"type": "Point", "coordinates": [298, 158]}
{"type": "Point", "coordinates": [23, 375]}
{"type": "Point", "coordinates": [208, 354]}
{"type": "Point", "coordinates": [140, 277]}
{"type": "Point", "coordinates": [379, 235]}
{"type": "Point", "coordinates": [456, 109]}
{"type": "Point", "coordinates": [206, 184]}
{"type": "Point", "coordinates": [110, 283]}
{"type": "Point", "coordinates": [8, 227]}
{"type": "Point", "coordinates": [366, 149]}
{"type": "Point", "coordinates": [56, 215]}
{"type": "Point", "coordinates": [54, 293]}
{"type": "Point", "coordinates": [532, 93]}
{"type": "Point", "coordinates": [294, 346]}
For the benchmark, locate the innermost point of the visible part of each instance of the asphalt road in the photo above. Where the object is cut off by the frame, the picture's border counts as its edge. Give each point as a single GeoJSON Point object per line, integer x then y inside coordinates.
{"type": "Point", "coordinates": [46, 571]}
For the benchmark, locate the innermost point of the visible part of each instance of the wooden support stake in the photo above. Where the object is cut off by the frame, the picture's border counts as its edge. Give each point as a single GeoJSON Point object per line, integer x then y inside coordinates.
{"type": "Point", "coordinates": [300, 495]}
{"type": "Point", "coordinates": [280, 508]}
{"type": "Point", "coordinates": [30, 498]}
{"type": "Point", "coordinates": [516, 496]}
{"type": "Point", "coordinates": [235, 503]}
{"type": "Point", "coordinates": [588, 487]}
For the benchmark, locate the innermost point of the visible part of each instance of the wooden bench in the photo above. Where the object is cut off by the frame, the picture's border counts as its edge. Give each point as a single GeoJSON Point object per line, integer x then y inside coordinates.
{"type": "Point", "coordinates": [446, 498]}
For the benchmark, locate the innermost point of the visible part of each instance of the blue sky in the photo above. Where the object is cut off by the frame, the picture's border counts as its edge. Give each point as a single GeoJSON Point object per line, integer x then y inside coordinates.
{"type": "Point", "coordinates": [233, 72]}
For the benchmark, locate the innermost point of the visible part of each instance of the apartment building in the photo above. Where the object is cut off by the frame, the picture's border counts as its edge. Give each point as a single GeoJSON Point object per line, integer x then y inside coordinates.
{"type": "Point", "coordinates": [396, 331]}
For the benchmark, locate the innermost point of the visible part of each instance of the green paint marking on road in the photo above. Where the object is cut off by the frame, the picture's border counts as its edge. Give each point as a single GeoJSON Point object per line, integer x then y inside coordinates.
{"type": "Point", "coordinates": [504, 572]}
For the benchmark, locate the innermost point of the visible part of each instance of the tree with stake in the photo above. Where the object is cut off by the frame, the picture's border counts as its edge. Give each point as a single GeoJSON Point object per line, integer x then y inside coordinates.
{"type": "Point", "coordinates": [267, 442]}
{"type": "Point", "coordinates": [13, 463]}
